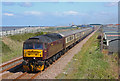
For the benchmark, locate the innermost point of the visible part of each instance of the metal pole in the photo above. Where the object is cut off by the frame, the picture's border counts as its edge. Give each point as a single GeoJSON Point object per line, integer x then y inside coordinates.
{"type": "Point", "coordinates": [101, 39]}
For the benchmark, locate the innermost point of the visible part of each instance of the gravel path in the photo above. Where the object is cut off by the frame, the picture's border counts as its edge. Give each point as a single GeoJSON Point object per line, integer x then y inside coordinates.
{"type": "Point", "coordinates": [60, 64]}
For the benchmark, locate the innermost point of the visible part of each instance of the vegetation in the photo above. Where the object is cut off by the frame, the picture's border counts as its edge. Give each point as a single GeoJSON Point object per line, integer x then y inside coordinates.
{"type": "Point", "coordinates": [90, 63]}
{"type": "Point", "coordinates": [5, 48]}
{"type": "Point", "coordinates": [23, 37]}
{"type": "Point", "coordinates": [12, 45]}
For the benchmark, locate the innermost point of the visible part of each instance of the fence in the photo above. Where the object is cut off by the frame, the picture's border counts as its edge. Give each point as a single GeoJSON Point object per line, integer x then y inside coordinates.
{"type": "Point", "coordinates": [33, 30]}
{"type": "Point", "coordinates": [25, 30]}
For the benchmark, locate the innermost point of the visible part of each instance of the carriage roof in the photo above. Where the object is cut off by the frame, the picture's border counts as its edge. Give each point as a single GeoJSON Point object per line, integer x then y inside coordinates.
{"type": "Point", "coordinates": [47, 38]}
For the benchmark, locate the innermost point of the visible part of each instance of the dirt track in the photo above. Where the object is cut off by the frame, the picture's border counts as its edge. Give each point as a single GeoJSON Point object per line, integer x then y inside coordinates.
{"type": "Point", "coordinates": [60, 64]}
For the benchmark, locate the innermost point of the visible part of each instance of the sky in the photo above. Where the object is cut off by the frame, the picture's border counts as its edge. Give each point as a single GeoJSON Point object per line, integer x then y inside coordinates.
{"type": "Point", "coordinates": [58, 13]}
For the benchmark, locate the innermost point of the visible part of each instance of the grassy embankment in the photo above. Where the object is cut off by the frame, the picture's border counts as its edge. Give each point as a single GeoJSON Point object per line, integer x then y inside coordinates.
{"type": "Point", "coordinates": [90, 63]}
{"type": "Point", "coordinates": [12, 45]}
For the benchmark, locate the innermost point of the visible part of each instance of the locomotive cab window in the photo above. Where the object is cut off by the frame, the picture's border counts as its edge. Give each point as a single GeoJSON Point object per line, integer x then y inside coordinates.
{"type": "Point", "coordinates": [33, 46]}
{"type": "Point", "coordinates": [28, 46]}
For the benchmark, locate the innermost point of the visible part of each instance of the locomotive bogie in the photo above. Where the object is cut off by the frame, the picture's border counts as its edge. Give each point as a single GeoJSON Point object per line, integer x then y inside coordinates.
{"type": "Point", "coordinates": [33, 65]}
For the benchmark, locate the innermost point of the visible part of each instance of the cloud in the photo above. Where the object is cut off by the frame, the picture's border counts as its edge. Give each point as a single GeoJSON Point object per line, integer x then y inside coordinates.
{"type": "Point", "coordinates": [32, 13]}
{"type": "Point", "coordinates": [71, 13]}
{"type": "Point", "coordinates": [25, 4]}
{"type": "Point", "coordinates": [104, 17]}
{"type": "Point", "coordinates": [48, 0]}
{"type": "Point", "coordinates": [110, 4]}
{"type": "Point", "coordinates": [8, 14]}
{"type": "Point", "coordinates": [104, 13]}
{"type": "Point", "coordinates": [8, 3]}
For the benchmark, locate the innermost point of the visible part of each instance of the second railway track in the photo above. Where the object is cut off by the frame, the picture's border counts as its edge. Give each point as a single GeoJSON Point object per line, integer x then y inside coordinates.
{"type": "Point", "coordinates": [11, 64]}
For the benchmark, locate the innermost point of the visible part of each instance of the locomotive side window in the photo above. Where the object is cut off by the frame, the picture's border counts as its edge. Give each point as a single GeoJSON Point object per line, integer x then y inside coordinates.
{"type": "Point", "coordinates": [45, 45]}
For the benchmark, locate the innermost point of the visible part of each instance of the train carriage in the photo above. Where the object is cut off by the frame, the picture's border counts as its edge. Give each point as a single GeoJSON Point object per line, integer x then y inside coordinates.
{"type": "Point", "coordinates": [71, 37]}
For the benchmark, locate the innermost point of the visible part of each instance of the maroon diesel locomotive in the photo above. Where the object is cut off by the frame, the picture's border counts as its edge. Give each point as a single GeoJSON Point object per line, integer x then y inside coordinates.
{"type": "Point", "coordinates": [40, 51]}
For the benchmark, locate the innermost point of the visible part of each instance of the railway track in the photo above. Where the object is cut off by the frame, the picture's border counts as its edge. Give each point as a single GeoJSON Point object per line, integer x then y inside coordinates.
{"type": "Point", "coordinates": [11, 64]}
{"type": "Point", "coordinates": [27, 76]}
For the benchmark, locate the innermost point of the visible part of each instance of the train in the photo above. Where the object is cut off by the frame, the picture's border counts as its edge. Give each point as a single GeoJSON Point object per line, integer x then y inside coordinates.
{"type": "Point", "coordinates": [41, 51]}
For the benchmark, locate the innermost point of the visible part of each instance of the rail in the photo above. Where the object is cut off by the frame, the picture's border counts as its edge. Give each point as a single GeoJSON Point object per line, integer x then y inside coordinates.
{"type": "Point", "coordinates": [10, 62]}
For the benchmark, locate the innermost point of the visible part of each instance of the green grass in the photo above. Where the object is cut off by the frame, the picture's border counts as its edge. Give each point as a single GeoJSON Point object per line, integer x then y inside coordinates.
{"type": "Point", "coordinates": [23, 37]}
{"type": "Point", "coordinates": [5, 48]}
{"type": "Point", "coordinates": [89, 63]}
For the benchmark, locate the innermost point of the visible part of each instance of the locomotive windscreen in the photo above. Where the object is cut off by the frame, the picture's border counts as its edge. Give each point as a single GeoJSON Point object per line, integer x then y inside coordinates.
{"type": "Point", "coordinates": [33, 46]}
{"type": "Point", "coordinates": [38, 46]}
{"type": "Point", "coordinates": [28, 46]}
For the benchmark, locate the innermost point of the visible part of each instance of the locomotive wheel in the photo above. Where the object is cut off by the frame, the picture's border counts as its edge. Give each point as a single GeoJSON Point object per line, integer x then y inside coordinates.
{"type": "Point", "coordinates": [53, 59]}
{"type": "Point", "coordinates": [56, 57]}
{"type": "Point", "coordinates": [60, 54]}
{"type": "Point", "coordinates": [47, 63]}
{"type": "Point", "coordinates": [63, 52]}
{"type": "Point", "coordinates": [50, 61]}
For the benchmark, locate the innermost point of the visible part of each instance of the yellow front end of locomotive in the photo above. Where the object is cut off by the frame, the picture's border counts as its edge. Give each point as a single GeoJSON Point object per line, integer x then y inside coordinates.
{"type": "Point", "coordinates": [33, 68]}
{"type": "Point", "coordinates": [33, 53]}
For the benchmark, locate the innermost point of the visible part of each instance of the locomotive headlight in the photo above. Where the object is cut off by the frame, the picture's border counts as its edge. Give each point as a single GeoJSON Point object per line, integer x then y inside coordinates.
{"type": "Point", "coordinates": [33, 57]}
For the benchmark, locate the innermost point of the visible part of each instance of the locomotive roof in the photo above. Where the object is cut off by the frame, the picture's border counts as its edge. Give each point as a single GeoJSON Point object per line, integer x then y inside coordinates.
{"type": "Point", "coordinates": [67, 33]}
{"type": "Point", "coordinates": [47, 38]}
